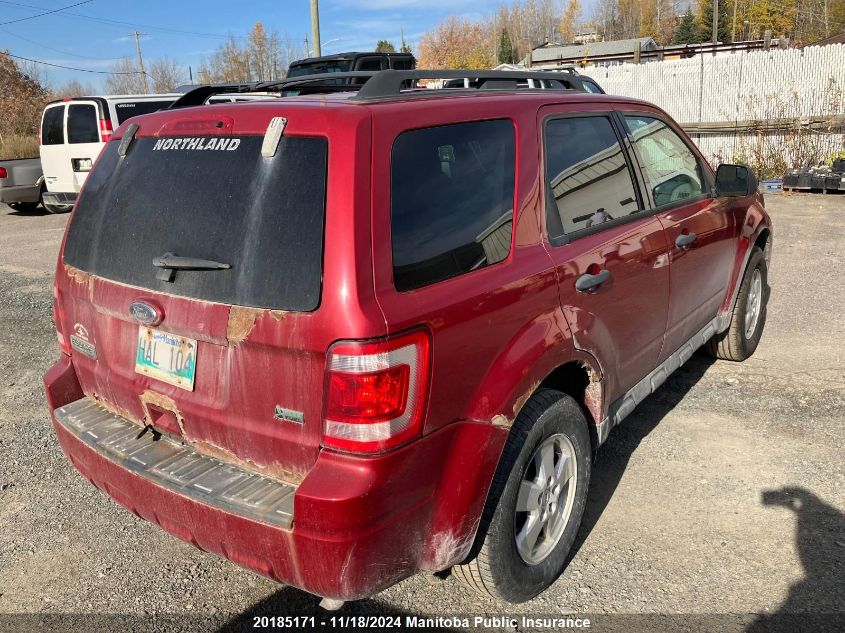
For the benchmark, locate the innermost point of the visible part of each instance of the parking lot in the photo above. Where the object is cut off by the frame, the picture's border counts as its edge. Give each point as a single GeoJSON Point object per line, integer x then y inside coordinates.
{"type": "Point", "coordinates": [722, 498]}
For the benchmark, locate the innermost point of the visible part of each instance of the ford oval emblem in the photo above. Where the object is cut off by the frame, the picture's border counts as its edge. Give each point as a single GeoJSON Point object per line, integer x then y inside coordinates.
{"type": "Point", "coordinates": [144, 313]}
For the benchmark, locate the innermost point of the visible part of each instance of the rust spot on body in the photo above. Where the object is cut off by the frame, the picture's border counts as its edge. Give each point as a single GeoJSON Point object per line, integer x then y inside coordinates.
{"type": "Point", "coordinates": [79, 276]}
{"type": "Point", "coordinates": [241, 322]}
{"type": "Point", "coordinates": [162, 402]}
{"type": "Point", "coordinates": [277, 315]}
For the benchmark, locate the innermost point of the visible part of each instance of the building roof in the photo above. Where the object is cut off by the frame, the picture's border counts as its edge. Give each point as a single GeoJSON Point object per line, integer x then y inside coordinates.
{"type": "Point", "coordinates": [833, 39]}
{"type": "Point", "coordinates": [553, 52]}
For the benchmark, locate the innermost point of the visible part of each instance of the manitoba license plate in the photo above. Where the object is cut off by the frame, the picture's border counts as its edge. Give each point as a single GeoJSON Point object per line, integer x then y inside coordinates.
{"type": "Point", "coordinates": [166, 357]}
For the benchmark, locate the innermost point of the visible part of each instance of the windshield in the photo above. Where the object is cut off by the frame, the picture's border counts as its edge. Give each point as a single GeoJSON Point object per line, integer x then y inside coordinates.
{"type": "Point", "coordinates": [315, 68]}
{"type": "Point", "coordinates": [215, 199]}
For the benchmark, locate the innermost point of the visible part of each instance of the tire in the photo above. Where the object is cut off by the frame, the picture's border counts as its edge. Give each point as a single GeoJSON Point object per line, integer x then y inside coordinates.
{"type": "Point", "coordinates": [56, 208]}
{"type": "Point", "coordinates": [741, 338]}
{"type": "Point", "coordinates": [24, 207]}
{"type": "Point", "coordinates": [496, 565]}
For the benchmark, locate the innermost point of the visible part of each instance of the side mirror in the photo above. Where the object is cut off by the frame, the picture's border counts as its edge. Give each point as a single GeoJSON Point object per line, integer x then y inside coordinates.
{"type": "Point", "coordinates": [735, 180]}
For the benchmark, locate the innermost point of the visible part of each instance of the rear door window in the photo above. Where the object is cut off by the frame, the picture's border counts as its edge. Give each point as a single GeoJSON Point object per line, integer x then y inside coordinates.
{"type": "Point", "coordinates": [128, 109]}
{"type": "Point", "coordinates": [672, 172]}
{"type": "Point", "coordinates": [588, 175]}
{"type": "Point", "coordinates": [83, 126]}
{"type": "Point", "coordinates": [215, 199]}
{"type": "Point", "coordinates": [452, 192]}
{"type": "Point", "coordinates": [53, 126]}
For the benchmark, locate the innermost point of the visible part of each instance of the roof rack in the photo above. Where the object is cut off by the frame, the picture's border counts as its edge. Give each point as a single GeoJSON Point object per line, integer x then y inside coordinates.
{"type": "Point", "coordinates": [325, 82]}
{"type": "Point", "coordinates": [387, 83]}
{"type": "Point", "coordinates": [391, 83]}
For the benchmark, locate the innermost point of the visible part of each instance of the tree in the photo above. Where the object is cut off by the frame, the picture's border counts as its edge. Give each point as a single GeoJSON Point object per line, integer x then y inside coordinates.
{"type": "Point", "coordinates": [569, 21]}
{"type": "Point", "coordinates": [22, 98]}
{"type": "Point", "coordinates": [383, 46]}
{"type": "Point", "coordinates": [705, 21]}
{"type": "Point", "coordinates": [405, 48]}
{"type": "Point", "coordinates": [126, 78]}
{"type": "Point", "coordinates": [73, 88]}
{"type": "Point", "coordinates": [506, 53]}
{"type": "Point", "coordinates": [687, 31]}
{"type": "Point", "coordinates": [456, 44]}
{"type": "Point", "coordinates": [260, 57]}
{"type": "Point", "coordinates": [166, 75]}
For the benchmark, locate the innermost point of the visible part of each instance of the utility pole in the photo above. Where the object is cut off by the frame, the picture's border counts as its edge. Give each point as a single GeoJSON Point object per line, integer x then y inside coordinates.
{"type": "Point", "coordinates": [715, 22]}
{"type": "Point", "coordinates": [315, 27]}
{"type": "Point", "coordinates": [141, 60]}
{"type": "Point", "coordinates": [733, 28]}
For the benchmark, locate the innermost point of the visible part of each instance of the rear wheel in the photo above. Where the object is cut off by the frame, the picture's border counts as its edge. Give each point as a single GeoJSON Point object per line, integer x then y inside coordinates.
{"type": "Point", "coordinates": [748, 318]}
{"type": "Point", "coordinates": [56, 208]}
{"type": "Point", "coordinates": [24, 207]}
{"type": "Point", "coordinates": [535, 504]}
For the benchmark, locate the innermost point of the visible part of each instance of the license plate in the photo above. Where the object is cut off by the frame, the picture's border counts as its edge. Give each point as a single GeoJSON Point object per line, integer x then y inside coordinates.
{"type": "Point", "coordinates": [166, 357]}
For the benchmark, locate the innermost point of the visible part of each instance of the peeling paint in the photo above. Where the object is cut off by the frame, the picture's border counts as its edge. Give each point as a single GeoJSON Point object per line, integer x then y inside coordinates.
{"type": "Point", "coordinates": [113, 408]}
{"type": "Point", "coordinates": [277, 315]}
{"type": "Point", "coordinates": [162, 402]}
{"type": "Point", "coordinates": [520, 402]}
{"type": "Point", "coordinates": [79, 276]}
{"type": "Point", "coordinates": [241, 322]}
{"type": "Point", "coordinates": [500, 420]}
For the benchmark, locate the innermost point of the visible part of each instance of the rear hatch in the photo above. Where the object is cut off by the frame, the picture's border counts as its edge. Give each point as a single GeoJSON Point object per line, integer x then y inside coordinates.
{"type": "Point", "coordinates": [219, 353]}
{"type": "Point", "coordinates": [70, 142]}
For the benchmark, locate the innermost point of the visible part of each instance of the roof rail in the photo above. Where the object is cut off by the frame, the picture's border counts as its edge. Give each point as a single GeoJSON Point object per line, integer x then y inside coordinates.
{"type": "Point", "coordinates": [198, 95]}
{"type": "Point", "coordinates": [390, 83]}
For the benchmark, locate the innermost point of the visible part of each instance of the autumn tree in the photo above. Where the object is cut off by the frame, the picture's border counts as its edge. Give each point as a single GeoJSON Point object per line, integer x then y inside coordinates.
{"type": "Point", "coordinates": [165, 75]}
{"type": "Point", "coordinates": [73, 88]}
{"type": "Point", "coordinates": [261, 56]}
{"type": "Point", "coordinates": [569, 21]}
{"type": "Point", "coordinates": [125, 79]}
{"type": "Point", "coordinates": [455, 43]}
{"type": "Point", "coordinates": [22, 98]}
{"type": "Point", "coordinates": [384, 46]}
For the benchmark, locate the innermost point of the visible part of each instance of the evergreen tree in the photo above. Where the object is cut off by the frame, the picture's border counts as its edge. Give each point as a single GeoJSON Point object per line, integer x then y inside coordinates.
{"type": "Point", "coordinates": [687, 31]}
{"type": "Point", "coordinates": [705, 8]}
{"type": "Point", "coordinates": [506, 53]}
{"type": "Point", "coordinates": [383, 46]}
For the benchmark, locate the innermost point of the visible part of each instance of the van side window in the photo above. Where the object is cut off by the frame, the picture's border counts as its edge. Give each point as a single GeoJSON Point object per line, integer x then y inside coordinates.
{"type": "Point", "coordinates": [52, 128]}
{"type": "Point", "coordinates": [82, 124]}
{"type": "Point", "coordinates": [370, 63]}
{"type": "Point", "coordinates": [451, 200]}
{"type": "Point", "coordinates": [588, 175]}
{"type": "Point", "coordinates": [671, 170]}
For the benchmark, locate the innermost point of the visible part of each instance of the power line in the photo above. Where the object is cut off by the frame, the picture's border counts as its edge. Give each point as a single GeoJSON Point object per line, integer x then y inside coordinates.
{"type": "Point", "coordinates": [57, 50]}
{"type": "Point", "coordinates": [82, 70]}
{"type": "Point", "coordinates": [70, 6]}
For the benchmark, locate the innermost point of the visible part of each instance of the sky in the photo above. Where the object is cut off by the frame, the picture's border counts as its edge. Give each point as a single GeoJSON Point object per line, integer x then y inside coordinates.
{"type": "Point", "coordinates": [97, 32]}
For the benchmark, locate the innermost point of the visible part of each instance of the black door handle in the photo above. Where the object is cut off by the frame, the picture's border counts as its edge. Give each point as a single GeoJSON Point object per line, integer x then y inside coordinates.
{"type": "Point", "coordinates": [587, 282]}
{"type": "Point", "coordinates": [685, 240]}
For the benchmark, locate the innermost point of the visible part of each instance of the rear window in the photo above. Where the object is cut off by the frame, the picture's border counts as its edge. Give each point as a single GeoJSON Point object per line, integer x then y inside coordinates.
{"type": "Point", "coordinates": [452, 191]}
{"type": "Point", "coordinates": [82, 124]}
{"type": "Point", "coordinates": [215, 199]}
{"type": "Point", "coordinates": [52, 127]}
{"type": "Point", "coordinates": [128, 109]}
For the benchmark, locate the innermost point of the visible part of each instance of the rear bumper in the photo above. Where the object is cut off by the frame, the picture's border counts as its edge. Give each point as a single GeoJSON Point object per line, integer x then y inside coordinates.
{"type": "Point", "coordinates": [59, 198]}
{"type": "Point", "coordinates": [353, 527]}
{"type": "Point", "coordinates": [23, 193]}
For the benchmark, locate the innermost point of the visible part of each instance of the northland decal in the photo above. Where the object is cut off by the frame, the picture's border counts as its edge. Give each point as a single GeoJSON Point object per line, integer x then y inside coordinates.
{"type": "Point", "coordinates": [198, 143]}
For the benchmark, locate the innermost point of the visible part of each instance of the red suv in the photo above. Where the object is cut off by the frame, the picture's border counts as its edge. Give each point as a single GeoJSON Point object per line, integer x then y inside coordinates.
{"type": "Point", "coordinates": [342, 338]}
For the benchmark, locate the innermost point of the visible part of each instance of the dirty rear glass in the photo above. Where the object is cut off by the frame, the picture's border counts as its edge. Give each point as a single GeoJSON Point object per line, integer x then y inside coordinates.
{"type": "Point", "coordinates": [215, 199]}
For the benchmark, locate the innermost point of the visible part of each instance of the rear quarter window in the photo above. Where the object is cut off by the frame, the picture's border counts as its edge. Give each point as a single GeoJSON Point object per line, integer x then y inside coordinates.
{"type": "Point", "coordinates": [52, 126]}
{"type": "Point", "coordinates": [128, 109]}
{"type": "Point", "coordinates": [452, 191]}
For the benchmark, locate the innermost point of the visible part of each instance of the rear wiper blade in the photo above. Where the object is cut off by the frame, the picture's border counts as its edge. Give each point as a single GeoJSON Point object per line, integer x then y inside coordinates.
{"type": "Point", "coordinates": [170, 262]}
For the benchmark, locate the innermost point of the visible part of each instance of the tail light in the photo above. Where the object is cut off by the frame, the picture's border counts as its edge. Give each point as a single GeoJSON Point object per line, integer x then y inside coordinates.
{"type": "Point", "coordinates": [3, 172]}
{"type": "Point", "coordinates": [376, 393]}
{"type": "Point", "coordinates": [105, 130]}
{"type": "Point", "coordinates": [59, 318]}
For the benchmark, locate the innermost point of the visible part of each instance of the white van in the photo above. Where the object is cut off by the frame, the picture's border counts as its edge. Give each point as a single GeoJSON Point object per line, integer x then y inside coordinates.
{"type": "Point", "coordinates": [72, 133]}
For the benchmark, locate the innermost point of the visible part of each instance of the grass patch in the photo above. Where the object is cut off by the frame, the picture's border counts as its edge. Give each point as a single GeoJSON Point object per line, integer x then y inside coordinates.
{"type": "Point", "coordinates": [14, 146]}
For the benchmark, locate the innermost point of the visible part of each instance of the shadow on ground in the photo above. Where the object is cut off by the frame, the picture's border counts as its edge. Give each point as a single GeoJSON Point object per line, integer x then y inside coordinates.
{"type": "Point", "coordinates": [613, 457]}
{"type": "Point", "coordinates": [293, 602]}
{"type": "Point", "coordinates": [817, 602]}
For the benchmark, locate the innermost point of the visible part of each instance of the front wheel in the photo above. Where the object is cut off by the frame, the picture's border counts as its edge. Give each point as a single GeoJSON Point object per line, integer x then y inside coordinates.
{"type": "Point", "coordinates": [56, 208]}
{"type": "Point", "coordinates": [535, 504]}
{"type": "Point", "coordinates": [748, 318]}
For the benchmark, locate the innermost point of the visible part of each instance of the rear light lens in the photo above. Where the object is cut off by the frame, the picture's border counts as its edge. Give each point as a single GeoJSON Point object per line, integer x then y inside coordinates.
{"type": "Point", "coordinates": [3, 172]}
{"type": "Point", "coordinates": [376, 393]}
{"type": "Point", "coordinates": [105, 130]}
{"type": "Point", "coordinates": [59, 318]}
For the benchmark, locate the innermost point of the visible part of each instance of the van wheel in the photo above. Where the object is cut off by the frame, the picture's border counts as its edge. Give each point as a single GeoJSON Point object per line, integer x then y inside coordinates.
{"type": "Point", "coordinates": [24, 207]}
{"type": "Point", "coordinates": [56, 208]}
{"type": "Point", "coordinates": [536, 502]}
{"type": "Point", "coordinates": [748, 318]}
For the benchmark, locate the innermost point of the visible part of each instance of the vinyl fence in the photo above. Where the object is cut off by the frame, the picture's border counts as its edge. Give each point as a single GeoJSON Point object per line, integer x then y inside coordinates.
{"type": "Point", "coordinates": [772, 109]}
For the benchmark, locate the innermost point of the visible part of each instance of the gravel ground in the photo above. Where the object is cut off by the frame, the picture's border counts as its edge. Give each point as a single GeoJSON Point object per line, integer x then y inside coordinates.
{"type": "Point", "coordinates": [718, 505]}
